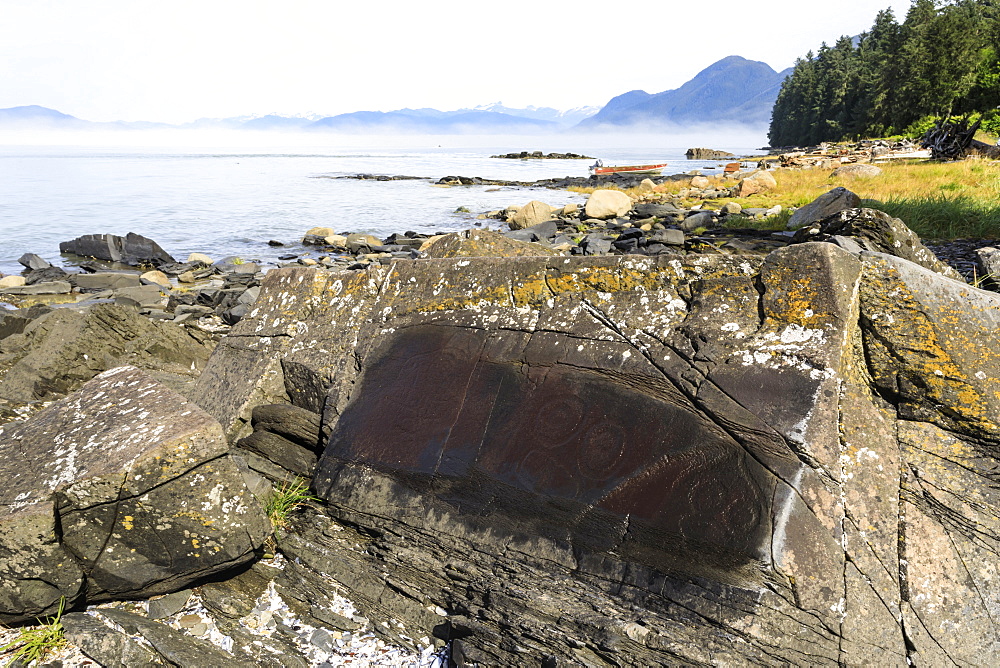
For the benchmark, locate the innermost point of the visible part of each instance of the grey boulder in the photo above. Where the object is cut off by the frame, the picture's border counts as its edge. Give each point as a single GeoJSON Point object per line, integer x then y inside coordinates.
{"type": "Point", "coordinates": [123, 490]}
{"type": "Point", "coordinates": [824, 206]}
{"type": "Point", "coordinates": [132, 249]}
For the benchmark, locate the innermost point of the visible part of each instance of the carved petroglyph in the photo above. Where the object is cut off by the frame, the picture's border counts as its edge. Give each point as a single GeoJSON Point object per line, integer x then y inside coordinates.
{"type": "Point", "coordinates": [436, 403]}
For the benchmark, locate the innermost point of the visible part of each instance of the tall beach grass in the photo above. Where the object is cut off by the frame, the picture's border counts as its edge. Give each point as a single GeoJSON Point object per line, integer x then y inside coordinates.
{"type": "Point", "coordinates": [936, 200]}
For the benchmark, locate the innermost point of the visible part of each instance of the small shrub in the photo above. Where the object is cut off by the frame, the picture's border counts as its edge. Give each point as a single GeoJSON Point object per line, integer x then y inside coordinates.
{"type": "Point", "coordinates": [33, 644]}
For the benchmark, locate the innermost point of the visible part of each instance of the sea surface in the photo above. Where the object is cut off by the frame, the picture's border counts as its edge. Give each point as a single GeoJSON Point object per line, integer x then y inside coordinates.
{"type": "Point", "coordinates": [229, 196]}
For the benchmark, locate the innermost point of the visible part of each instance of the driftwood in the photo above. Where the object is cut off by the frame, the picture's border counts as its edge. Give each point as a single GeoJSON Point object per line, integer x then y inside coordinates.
{"type": "Point", "coordinates": [985, 150]}
{"type": "Point", "coordinates": [950, 140]}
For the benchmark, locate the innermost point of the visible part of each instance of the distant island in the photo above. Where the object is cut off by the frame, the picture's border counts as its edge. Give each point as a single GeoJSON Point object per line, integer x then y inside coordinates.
{"type": "Point", "coordinates": [733, 90]}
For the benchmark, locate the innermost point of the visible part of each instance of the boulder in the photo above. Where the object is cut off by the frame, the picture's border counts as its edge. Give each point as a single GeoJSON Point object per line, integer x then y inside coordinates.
{"type": "Point", "coordinates": [857, 170]}
{"type": "Point", "coordinates": [731, 208]}
{"type": "Point", "coordinates": [105, 280]}
{"type": "Point", "coordinates": [481, 243]}
{"type": "Point", "coordinates": [199, 258]}
{"type": "Point", "coordinates": [604, 204]}
{"type": "Point", "coordinates": [123, 490]}
{"type": "Point", "coordinates": [132, 249]}
{"type": "Point", "coordinates": [824, 206]}
{"type": "Point", "coordinates": [652, 210]}
{"type": "Point", "coordinates": [316, 236]}
{"type": "Point", "coordinates": [530, 214]}
{"type": "Point", "coordinates": [143, 297]}
{"type": "Point", "coordinates": [155, 278]}
{"type": "Point", "coordinates": [109, 647]}
{"type": "Point", "coordinates": [699, 219]}
{"type": "Point", "coordinates": [758, 182]}
{"type": "Point", "coordinates": [297, 424]}
{"type": "Point", "coordinates": [669, 237]}
{"type": "Point", "coordinates": [361, 243]}
{"type": "Point", "coordinates": [800, 447]}
{"type": "Point", "coordinates": [877, 231]}
{"type": "Point", "coordinates": [988, 265]}
{"type": "Point", "coordinates": [33, 262]}
{"type": "Point", "coordinates": [700, 182]}
{"type": "Point", "coordinates": [59, 351]}
{"type": "Point", "coordinates": [46, 288]}
{"type": "Point", "coordinates": [12, 281]}
{"type": "Point", "coordinates": [45, 275]}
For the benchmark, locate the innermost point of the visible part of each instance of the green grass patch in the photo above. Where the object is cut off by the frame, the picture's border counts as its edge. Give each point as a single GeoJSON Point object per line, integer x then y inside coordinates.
{"type": "Point", "coordinates": [35, 643]}
{"type": "Point", "coordinates": [287, 499]}
{"type": "Point", "coordinates": [940, 216]}
{"type": "Point", "coordinates": [775, 223]}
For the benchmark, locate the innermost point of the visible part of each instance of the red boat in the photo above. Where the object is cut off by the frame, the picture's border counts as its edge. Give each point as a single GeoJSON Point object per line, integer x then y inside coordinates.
{"type": "Point", "coordinates": [598, 169]}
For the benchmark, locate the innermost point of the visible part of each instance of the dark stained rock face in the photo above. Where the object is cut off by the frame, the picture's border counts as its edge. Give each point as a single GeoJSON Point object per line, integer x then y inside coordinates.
{"type": "Point", "coordinates": [567, 450]}
{"type": "Point", "coordinates": [645, 460]}
{"type": "Point", "coordinates": [123, 489]}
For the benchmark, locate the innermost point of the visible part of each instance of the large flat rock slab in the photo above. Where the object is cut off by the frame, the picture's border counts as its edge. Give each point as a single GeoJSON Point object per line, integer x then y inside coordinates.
{"type": "Point", "coordinates": [647, 457]}
{"type": "Point", "coordinates": [124, 489]}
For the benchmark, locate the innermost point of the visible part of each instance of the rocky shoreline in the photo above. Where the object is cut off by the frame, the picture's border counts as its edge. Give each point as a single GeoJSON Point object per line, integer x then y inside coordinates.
{"type": "Point", "coordinates": [561, 343]}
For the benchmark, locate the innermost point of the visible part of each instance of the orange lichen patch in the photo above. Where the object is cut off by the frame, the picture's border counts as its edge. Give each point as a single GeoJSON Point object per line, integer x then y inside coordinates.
{"type": "Point", "coordinates": [936, 346]}
{"type": "Point", "coordinates": [607, 279]}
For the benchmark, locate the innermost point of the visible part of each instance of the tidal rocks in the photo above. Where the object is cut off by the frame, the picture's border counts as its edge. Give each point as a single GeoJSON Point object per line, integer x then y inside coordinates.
{"type": "Point", "coordinates": [124, 489]}
{"type": "Point", "coordinates": [707, 154]}
{"type": "Point", "coordinates": [538, 155]}
{"type": "Point", "coordinates": [132, 249]}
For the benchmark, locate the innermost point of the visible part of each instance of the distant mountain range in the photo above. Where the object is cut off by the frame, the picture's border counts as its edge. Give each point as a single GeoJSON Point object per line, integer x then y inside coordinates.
{"type": "Point", "coordinates": [732, 90]}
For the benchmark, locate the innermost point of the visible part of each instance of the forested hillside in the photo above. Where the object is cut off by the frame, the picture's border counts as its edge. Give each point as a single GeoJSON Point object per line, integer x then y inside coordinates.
{"type": "Point", "coordinates": [944, 58]}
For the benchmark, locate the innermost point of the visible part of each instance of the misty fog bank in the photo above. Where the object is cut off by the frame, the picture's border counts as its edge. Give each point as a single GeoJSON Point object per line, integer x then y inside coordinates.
{"type": "Point", "coordinates": [715, 136]}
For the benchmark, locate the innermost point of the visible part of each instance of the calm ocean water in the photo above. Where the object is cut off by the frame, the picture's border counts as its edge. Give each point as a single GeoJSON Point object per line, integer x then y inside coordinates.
{"type": "Point", "coordinates": [231, 198]}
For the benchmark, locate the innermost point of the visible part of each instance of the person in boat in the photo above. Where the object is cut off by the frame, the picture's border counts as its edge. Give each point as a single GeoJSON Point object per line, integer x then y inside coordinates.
{"type": "Point", "coordinates": [599, 163]}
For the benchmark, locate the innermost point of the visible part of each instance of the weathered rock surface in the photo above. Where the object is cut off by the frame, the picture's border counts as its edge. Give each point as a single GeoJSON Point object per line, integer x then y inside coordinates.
{"type": "Point", "coordinates": [132, 249]}
{"type": "Point", "coordinates": [648, 460]}
{"type": "Point", "coordinates": [481, 243]}
{"type": "Point", "coordinates": [57, 352]}
{"type": "Point", "coordinates": [824, 206]}
{"type": "Point", "coordinates": [873, 230]}
{"type": "Point", "coordinates": [125, 489]}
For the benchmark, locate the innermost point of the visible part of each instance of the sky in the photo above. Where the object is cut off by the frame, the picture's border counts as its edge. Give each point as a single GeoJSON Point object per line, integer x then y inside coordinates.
{"type": "Point", "coordinates": [180, 60]}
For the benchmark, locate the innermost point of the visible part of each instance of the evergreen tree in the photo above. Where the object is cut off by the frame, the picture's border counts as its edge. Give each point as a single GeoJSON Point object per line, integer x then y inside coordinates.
{"type": "Point", "coordinates": [876, 77]}
{"type": "Point", "coordinates": [943, 58]}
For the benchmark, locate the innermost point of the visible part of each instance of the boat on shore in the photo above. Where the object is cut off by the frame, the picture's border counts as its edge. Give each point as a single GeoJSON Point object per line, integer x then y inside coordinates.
{"type": "Point", "coordinates": [598, 169]}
